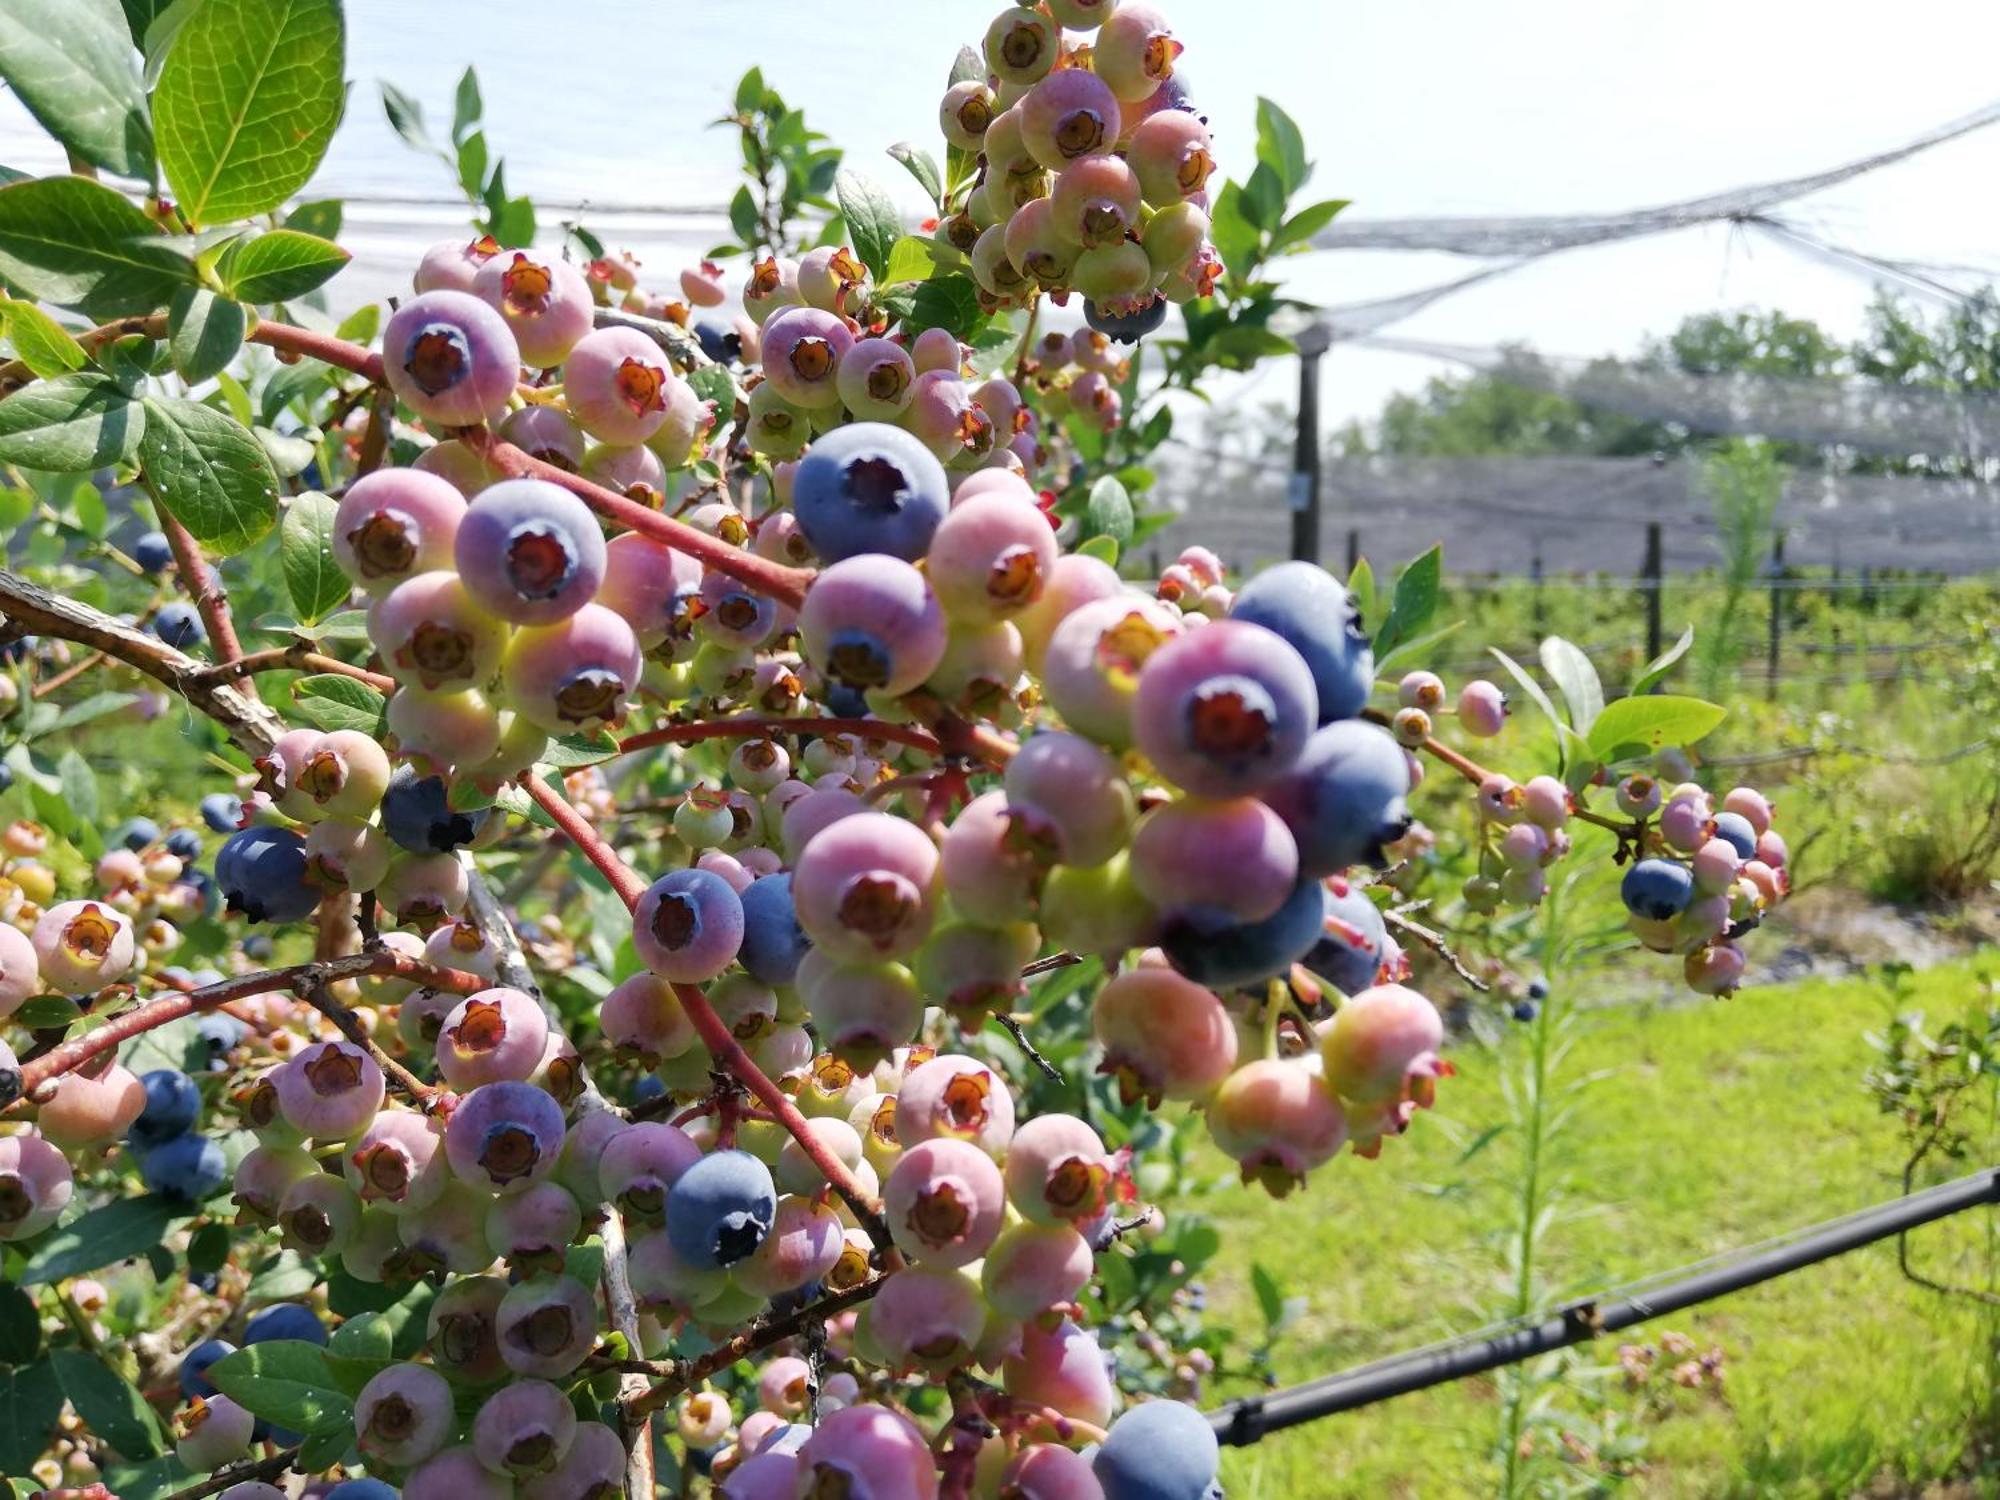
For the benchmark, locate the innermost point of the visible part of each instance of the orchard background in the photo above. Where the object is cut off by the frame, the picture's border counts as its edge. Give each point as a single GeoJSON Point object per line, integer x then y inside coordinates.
{"type": "Point", "coordinates": [606, 891]}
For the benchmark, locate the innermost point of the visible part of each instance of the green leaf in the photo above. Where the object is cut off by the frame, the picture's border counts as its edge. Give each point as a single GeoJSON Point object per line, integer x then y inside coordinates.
{"type": "Point", "coordinates": [158, 38]}
{"type": "Point", "coordinates": [1529, 686]}
{"type": "Point", "coordinates": [330, 701]}
{"type": "Point", "coordinates": [366, 1336]}
{"type": "Point", "coordinates": [1361, 587]}
{"type": "Point", "coordinates": [209, 472]}
{"type": "Point", "coordinates": [1281, 147]}
{"type": "Point", "coordinates": [47, 1010]}
{"type": "Point", "coordinates": [70, 425]}
{"type": "Point", "coordinates": [208, 1248]}
{"type": "Point", "coordinates": [204, 332]}
{"type": "Point", "coordinates": [1109, 510]}
{"type": "Point", "coordinates": [1270, 1298]}
{"type": "Point", "coordinates": [968, 64]}
{"type": "Point", "coordinates": [278, 266]}
{"type": "Point", "coordinates": [512, 223]}
{"type": "Point", "coordinates": [116, 1231]}
{"type": "Point", "coordinates": [71, 63]}
{"type": "Point", "coordinates": [406, 118]}
{"type": "Point", "coordinates": [1307, 222]}
{"type": "Point", "coordinates": [750, 92]}
{"type": "Point", "coordinates": [570, 752]}
{"type": "Point", "coordinates": [716, 384]}
{"type": "Point", "coordinates": [289, 452]}
{"type": "Point", "coordinates": [361, 325]}
{"type": "Point", "coordinates": [922, 166]}
{"type": "Point", "coordinates": [177, 1044]}
{"type": "Point", "coordinates": [76, 243]}
{"type": "Point", "coordinates": [20, 1326]}
{"type": "Point", "coordinates": [139, 15]}
{"type": "Point", "coordinates": [286, 1382]}
{"type": "Point", "coordinates": [1103, 548]}
{"type": "Point", "coordinates": [1636, 726]}
{"type": "Point", "coordinates": [1415, 601]}
{"type": "Point", "coordinates": [320, 218]}
{"type": "Point", "coordinates": [79, 786]}
{"type": "Point", "coordinates": [1264, 198]}
{"type": "Point", "coordinates": [305, 549]}
{"type": "Point", "coordinates": [325, 1449]}
{"type": "Point", "coordinates": [42, 344]}
{"type": "Point", "coordinates": [247, 103]}
{"type": "Point", "coordinates": [110, 1407]}
{"type": "Point", "coordinates": [1572, 672]}
{"type": "Point", "coordinates": [472, 163]}
{"type": "Point", "coordinates": [30, 1401]}
{"type": "Point", "coordinates": [466, 105]}
{"type": "Point", "coordinates": [1236, 238]}
{"type": "Point", "coordinates": [1662, 664]}
{"type": "Point", "coordinates": [743, 216]}
{"type": "Point", "coordinates": [871, 219]}
{"type": "Point", "coordinates": [947, 302]}
{"type": "Point", "coordinates": [1414, 648]}
{"type": "Point", "coordinates": [155, 1479]}
{"type": "Point", "coordinates": [910, 259]}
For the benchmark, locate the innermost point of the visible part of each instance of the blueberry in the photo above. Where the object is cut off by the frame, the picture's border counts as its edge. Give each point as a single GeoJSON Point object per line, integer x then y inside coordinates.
{"type": "Point", "coordinates": [719, 345]}
{"type": "Point", "coordinates": [221, 811]}
{"type": "Point", "coordinates": [417, 817]}
{"type": "Point", "coordinates": [1160, 1450]}
{"type": "Point", "coordinates": [720, 1209]}
{"type": "Point", "coordinates": [284, 1320]}
{"type": "Point", "coordinates": [1310, 608]}
{"type": "Point", "coordinates": [195, 1363]}
{"type": "Point", "coordinates": [869, 487]}
{"type": "Point", "coordinates": [262, 872]}
{"type": "Point", "coordinates": [153, 552]}
{"type": "Point", "coordinates": [1349, 951]}
{"type": "Point", "coordinates": [362, 1489]}
{"type": "Point", "coordinates": [1345, 798]}
{"type": "Point", "coordinates": [1735, 830]}
{"type": "Point", "coordinates": [845, 700]}
{"type": "Point", "coordinates": [773, 941]}
{"type": "Point", "coordinates": [188, 1167]}
{"type": "Point", "coordinates": [184, 844]}
{"type": "Point", "coordinates": [6, 776]}
{"type": "Point", "coordinates": [1657, 889]}
{"type": "Point", "coordinates": [1126, 328]}
{"type": "Point", "coordinates": [1538, 989]}
{"type": "Point", "coordinates": [1229, 957]}
{"type": "Point", "coordinates": [204, 1282]}
{"type": "Point", "coordinates": [648, 1087]}
{"type": "Point", "coordinates": [219, 1033]}
{"type": "Point", "coordinates": [136, 833]}
{"type": "Point", "coordinates": [173, 1105]}
{"type": "Point", "coordinates": [1524, 1010]}
{"type": "Point", "coordinates": [178, 625]}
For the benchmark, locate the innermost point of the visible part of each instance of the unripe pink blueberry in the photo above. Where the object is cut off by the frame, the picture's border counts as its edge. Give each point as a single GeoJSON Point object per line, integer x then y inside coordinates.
{"type": "Point", "coordinates": [319, 1215]}
{"type": "Point", "coordinates": [643, 1017]}
{"type": "Point", "coordinates": [1716, 969]}
{"type": "Point", "coordinates": [431, 634]}
{"type": "Point", "coordinates": [1751, 805]}
{"type": "Point", "coordinates": [1057, 1170]}
{"type": "Point", "coordinates": [829, 275]}
{"type": "Point", "coordinates": [504, 1136]}
{"type": "Point", "coordinates": [1062, 1368]}
{"type": "Point", "coordinates": [1685, 823]}
{"type": "Point", "coordinates": [1173, 156]}
{"type": "Point", "coordinates": [1215, 860]}
{"type": "Point", "coordinates": [1164, 1037]}
{"type": "Point", "coordinates": [546, 1325]}
{"type": "Point", "coordinates": [1546, 801]}
{"type": "Point", "coordinates": [617, 382]}
{"type": "Point", "coordinates": [423, 890]}
{"type": "Point", "coordinates": [1044, 1471]}
{"type": "Point", "coordinates": [80, 946]}
{"type": "Point", "coordinates": [453, 264]}
{"type": "Point", "coordinates": [1223, 710]}
{"type": "Point", "coordinates": [927, 1319]}
{"type": "Point", "coordinates": [864, 887]}
{"type": "Point", "coordinates": [20, 969]}
{"type": "Point", "coordinates": [35, 1182]}
{"type": "Point", "coordinates": [945, 1201]}
{"type": "Point", "coordinates": [803, 1246]}
{"type": "Point", "coordinates": [1277, 1121]}
{"type": "Point", "coordinates": [1638, 796]}
{"type": "Point", "coordinates": [457, 1474]}
{"type": "Point", "coordinates": [872, 622]}
{"type": "Point", "coordinates": [460, 1329]}
{"type": "Point", "coordinates": [1382, 1045]}
{"type": "Point", "coordinates": [574, 676]}
{"type": "Point", "coordinates": [393, 524]}
{"type": "Point", "coordinates": [543, 298]}
{"type": "Point", "coordinates": [868, 1451]}
{"type": "Point", "coordinates": [212, 1431]}
{"type": "Point", "coordinates": [640, 1163]}
{"type": "Point", "coordinates": [662, 1278]}
{"type": "Point", "coordinates": [448, 1234]}
{"type": "Point", "coordinates": [1094, 660]}
{"type": "Point", "coordinates": [1033, 1267]}
{"type": "Point", "coordinates": [956, 1098]}
{"type": "Point", "coordinates": [593, 1469]}
{"type": "Point", "coordinates": [803, 351]}
{"type": "Point", "coordinates": [523, 1429]}
{"type": "Point", "coordinates": [1482, 709]}
{"type": "Point", "coordinates": [330, 1091]}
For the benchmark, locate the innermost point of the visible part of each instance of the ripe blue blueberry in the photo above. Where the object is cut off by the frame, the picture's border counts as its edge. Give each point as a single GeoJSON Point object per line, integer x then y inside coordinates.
{"type": "Point", "coordinates": [1229, 957]}
{"type": "Point", "coordinates": [720, 1209]}
{"type": "Point", "coordinates": [1657, 889]}
{"type": "Point", "coordinates": [173, 1104]}
{"type": "Point", "coordinates": [262, 872]}
{"type": "Point", "coordinates": [1126, 328]}
{"type": "Point", "coordinates": [363, 1489]}
{"type": "Point", "coordinates": [221, 811]}
{"type": "Point", "coordinates": [136, 833]}
{"type": "Point", "coordinates": [1160, 1450]}
{"type": "Point", "coordinates": [1345, 798]}
{"type": "Point", "coordinates": [417, 817]}
{"type": "Point", "coordinates": [1352, 937]}
{"type": "Point", "coordinates": [1738, 832]}
{"type": "Point", "coordinates": [1538, 989]}
{"type": "Point", "coordinates": [869, 487]}
{"type": "Point", "coordinates": [178, 625]}
{"type": "Point", "coordinates": [6, 776]}
{"type": "Point", "coordinates": [284, 1320]}
{"type": "Point", "coordinates": [194, 1366]}
{"type": "Point", "coordinates": [1524, 1010]}
{"type": "Point", "coordinates": [1308, 607]}
{"type": "Point", "coordinates": [773, 941]}
{"type": "Point", "coordinates": [153, 552]}
{"type": "Point", "coordinates": [187, 1167]}
{"type": "Point", "coordinates": [184, 844]}
{"type": "Point", "coordinates": [218, 1033]}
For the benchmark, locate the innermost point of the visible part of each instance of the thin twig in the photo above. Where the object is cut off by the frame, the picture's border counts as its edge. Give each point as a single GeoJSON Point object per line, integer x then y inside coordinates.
{"type": "Point", "coordinates": [750, 726]}
{"type": "Point", "coordinates": [316, 993]}
{"type": "Point", "coordinates": [1019, 1034]}
{"type": "Point", "coordinates": [297, 657]}
{"type": "Point", "coordinates": [204, 585]}
{"type": "Point", "coordinates": [265, 1469]}
{"type": "Point", "coordinates": [1398, 917]}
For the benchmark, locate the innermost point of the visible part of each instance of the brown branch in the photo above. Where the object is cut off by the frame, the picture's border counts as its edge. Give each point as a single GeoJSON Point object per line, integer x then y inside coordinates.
{"type": "Point", "coordinates": [636, 1426]}
{"type": "Point", "coordinates": [1398, 917]}
{"type": "Point", "coordinates": [761, 1334]}
{"type": "Point", "coordinates": [283, 337]}
{"type": "Point", "coordinates": [786, 585]}
{"type": "Point", "coordinates": [316, 993]}
{"type": "Point", "coordinates": [755, 727]}
{"type": "Point", "coordinates": [162, 1009]}
{"type": "Point", "coordinates": [375, 436]}
{"type": "Point", "coordinates": [1013, 1028]}
{"type": "Point", "coordinates": [265, 1469]}
{"type": "Point", "coordinates": [297, 657]}
{"type": "Point", "coordinates": [30, 609]}
{"type": "Point", "coordinates": [680, 345]}
{"type": "Point", "coordinates": [204, 586]}
{"type": "Point", "coordinates": [69, 674]}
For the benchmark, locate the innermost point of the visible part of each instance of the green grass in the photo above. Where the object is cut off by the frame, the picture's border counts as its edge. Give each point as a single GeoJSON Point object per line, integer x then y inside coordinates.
{"type": "Point", "coordinates": [1717, 1125]}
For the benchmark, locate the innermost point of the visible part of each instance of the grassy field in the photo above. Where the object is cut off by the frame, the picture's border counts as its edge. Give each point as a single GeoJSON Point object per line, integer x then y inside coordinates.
{"type": "Point", "coordinates": [1711, 1126]}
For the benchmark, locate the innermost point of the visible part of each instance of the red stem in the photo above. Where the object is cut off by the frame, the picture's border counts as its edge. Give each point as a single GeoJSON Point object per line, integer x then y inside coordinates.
{"type": "Point", "coordinates": [204, 586]}
{"type": "Point", "coordinates": [786, 585]}
{"type": "Point", "coordinates": [752, 727]}
{"type": "Point", "coordinates": [159, 1011]}
{"type": "Point", "coordinates": [721, 1042]}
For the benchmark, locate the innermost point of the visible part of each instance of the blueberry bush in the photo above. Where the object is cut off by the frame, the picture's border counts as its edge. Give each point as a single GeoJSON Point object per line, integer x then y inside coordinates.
{"type": "Point", "coordinates": [622, 897]}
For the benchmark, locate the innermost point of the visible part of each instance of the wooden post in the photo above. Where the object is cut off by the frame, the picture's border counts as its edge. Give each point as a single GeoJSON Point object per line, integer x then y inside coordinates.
{"type": "Point", "coordinates": [1353, 549]}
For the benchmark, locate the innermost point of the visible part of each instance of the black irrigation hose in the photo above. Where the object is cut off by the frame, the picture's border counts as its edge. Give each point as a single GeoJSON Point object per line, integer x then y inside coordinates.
{"type": "Point", "coordinates": [1248, 1421]}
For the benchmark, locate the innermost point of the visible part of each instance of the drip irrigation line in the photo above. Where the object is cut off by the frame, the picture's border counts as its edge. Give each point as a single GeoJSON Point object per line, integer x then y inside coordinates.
{"type": "Point", "coordinates": [1248, 1421]}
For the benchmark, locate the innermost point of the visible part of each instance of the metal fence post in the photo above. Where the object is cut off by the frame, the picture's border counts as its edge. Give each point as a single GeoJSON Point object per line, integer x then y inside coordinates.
{"type": "Point", "coordinates": [1649, 586]}
{"type": "Point", "coordinates": [1304, 491]}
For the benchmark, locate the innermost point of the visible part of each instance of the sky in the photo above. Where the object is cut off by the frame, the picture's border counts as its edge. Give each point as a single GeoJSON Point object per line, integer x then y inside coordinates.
{"type": "Point", "coordinates": [1440, 107]}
